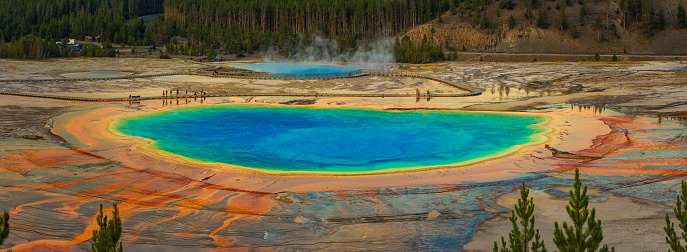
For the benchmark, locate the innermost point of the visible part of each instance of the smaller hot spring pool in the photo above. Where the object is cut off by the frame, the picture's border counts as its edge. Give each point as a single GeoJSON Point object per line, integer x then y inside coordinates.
{"type": "Point", "coordinates": [295, 68]}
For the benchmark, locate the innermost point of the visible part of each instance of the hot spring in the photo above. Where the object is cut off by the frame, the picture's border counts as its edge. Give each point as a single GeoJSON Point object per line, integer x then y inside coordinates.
{"type": "Point", "coordinates": [295, 68]}
{"type": "Point", "coordinates": [352, 140]}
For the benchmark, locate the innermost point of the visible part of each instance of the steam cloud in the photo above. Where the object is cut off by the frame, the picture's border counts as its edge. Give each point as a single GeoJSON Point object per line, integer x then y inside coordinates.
{"type": "Point", "coordinates": [377, 54]}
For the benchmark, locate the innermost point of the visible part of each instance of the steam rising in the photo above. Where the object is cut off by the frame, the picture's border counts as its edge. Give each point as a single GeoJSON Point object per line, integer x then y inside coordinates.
{"type": "Point", "coordinates": [377, 54]}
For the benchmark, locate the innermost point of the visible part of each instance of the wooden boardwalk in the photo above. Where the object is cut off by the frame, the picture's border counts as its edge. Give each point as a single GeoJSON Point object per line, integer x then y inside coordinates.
{"type": "Point", "coordinates": [261, 76]}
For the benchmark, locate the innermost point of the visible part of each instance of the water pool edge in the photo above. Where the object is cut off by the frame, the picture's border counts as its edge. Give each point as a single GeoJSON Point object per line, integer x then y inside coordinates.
{"type": "Point", "coordinates": [150, 147]}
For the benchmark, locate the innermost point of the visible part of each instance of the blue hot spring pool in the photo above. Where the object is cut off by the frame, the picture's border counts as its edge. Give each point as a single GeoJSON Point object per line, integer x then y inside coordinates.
{"type": "Point", "coordinates": [295, 68]}
{"type": "Point", "coordinates": [331, 140]}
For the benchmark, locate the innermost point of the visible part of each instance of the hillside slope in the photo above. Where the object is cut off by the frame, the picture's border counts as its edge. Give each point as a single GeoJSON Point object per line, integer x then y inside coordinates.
{"type": "Point", "coordinates": [600, 29]}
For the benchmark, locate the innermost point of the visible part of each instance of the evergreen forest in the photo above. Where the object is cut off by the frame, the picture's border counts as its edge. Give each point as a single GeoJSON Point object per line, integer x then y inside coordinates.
{"type": "Point", "coordinates": [30, 29]}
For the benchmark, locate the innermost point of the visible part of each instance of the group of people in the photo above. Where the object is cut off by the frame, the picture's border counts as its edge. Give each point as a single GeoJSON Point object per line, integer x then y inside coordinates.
{"type": "Point", "coordinates": [169, 93]}
{"type": "Point", "coordinates": [417, 92]}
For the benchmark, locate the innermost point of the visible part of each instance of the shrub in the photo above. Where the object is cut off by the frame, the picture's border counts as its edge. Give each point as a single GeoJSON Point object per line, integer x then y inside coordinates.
{"type": "Point", "coordinates": [573, 31]}
{"type": "Point", "coordinates": [164, 55]}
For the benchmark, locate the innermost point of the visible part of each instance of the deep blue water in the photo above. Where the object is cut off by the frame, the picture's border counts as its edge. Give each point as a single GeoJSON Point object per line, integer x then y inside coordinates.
{"type": "Point", "coordinates": [330, 140]}
{"type": "Point", "coordinates": [295, 68]}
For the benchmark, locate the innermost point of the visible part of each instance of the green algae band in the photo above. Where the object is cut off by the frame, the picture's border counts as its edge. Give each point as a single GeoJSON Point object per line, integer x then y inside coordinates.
{"type": "Point", "coordinates": [331, 140]}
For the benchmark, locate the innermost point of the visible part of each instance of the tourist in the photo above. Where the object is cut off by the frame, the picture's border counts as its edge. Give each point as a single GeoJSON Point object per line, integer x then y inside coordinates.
{"type": "Point", "coordinates": [417, 92]}
{"type": "Point", "coordinates": [428, 94]}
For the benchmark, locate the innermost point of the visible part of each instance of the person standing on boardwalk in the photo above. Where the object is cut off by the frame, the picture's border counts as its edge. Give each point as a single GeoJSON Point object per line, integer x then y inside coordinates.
{"type": "Point", "coordinates": [417, 92]}
{"type": "Point", "coordinates": [428, 94]}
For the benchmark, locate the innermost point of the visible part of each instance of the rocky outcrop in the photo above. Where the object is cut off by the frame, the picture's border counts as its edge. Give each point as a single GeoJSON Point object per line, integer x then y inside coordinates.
{"type": "Point", "coordinates": [456, 36]}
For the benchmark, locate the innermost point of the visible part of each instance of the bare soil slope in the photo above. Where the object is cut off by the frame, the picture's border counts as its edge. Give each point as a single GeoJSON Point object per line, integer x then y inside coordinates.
{"type": "Point", "coordinates": [465, 29]}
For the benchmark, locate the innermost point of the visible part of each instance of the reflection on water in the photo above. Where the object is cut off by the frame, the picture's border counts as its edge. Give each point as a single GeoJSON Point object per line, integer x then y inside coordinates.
{"type": "Point", "coordinates": [595, 109]}
{"type": "Point", "coordinates": [502, 92]}
{"type": "Point", "coordinates": [631, 111]}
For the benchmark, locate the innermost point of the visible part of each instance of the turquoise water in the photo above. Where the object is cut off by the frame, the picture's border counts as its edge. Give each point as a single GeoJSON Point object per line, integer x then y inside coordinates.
{"type": "Point", "coordinates": [295, 68]}
{"type": "Point", "coordinates": [330, 140]}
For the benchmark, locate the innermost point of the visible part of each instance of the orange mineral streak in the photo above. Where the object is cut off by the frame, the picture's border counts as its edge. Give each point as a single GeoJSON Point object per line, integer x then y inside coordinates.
{"type": "Point", "coordinates": [45, 158]}
{"type": "Point", "coordinates": [244, 206]}
{"type": "Point", "coordinates": [620, 142]}
{"type": "Point", "coordinates": [373, 197]}
{"type": "Point", "coordinates": [57, 245]}
{"type": "Point", "coordinates": [225, 241]}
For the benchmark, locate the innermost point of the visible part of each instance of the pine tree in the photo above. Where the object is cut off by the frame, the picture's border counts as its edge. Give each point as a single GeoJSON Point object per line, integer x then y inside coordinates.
{"type": "Point", "coordinates": [4, 227]}
{"type": "Point", "coordinates": [598, 26]}
{"type": "Point", "coordinates": [511, 22]}
{"type": "Point", "coordinates": [681, 215]}
{"type": "Point", "coordinates": [562, 21]}
{"type": "Point", "coordinates": [648, 22]}
{"type": "Point", "coordinates": [485, 21]}
{"type": "Point", "coordinates": [523, 237]}
{"type": "Point", "coordinates": [542, 21]}
{"type": "Point", "coordinates": [661, 24]}
{"type": "Point", "coordinates": [577, 238]}
{"type": "Point", "coordinates": [106, 239]}
{"type": "Point", "coordinates": [681, 17]}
